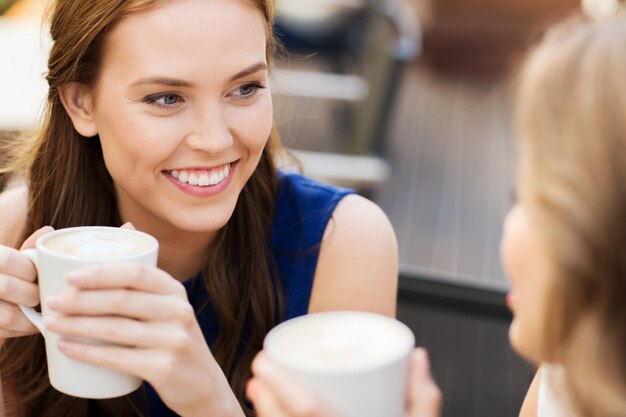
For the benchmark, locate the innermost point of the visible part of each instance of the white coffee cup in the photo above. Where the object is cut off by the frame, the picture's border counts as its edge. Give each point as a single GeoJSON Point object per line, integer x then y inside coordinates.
{"type": "Point", "coordinates": [356, 363]}
{"type": "Point", "coordinates": [55, 255]}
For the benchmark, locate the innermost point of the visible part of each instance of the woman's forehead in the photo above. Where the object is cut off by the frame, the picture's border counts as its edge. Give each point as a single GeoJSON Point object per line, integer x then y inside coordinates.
{"type": "Point", "coordinates": [188, 35]}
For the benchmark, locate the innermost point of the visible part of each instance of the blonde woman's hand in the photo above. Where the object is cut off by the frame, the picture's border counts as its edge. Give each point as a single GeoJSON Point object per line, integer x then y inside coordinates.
{"type": "Point", "coordinates": [275, 394]}
{"type": "Point", "coordinates": [17, 286]}
{"type": "Point", "coordinates": [150, 329]}
{"type": "Point", "coordinates": [424, 396]}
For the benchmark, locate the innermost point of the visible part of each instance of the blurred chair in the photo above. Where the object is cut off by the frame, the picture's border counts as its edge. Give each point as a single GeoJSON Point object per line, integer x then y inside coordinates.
{"type": "Point", "coordinates": [5, 5]}
{"type": "Point", "coordinates": [366, 45]}
{"type": "Point", "coordinates": [484, 38]}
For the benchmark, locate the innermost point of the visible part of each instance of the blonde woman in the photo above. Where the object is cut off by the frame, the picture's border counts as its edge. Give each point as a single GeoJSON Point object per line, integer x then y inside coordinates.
{"type": "Point", "coordinates": [564, 243]}
{"type": "Point", "coordinates": [570, 276]}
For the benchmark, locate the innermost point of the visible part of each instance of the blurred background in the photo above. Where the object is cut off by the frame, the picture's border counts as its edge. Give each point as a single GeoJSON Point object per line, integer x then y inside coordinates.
{"type": "Point", "coordinates": [409, 102]}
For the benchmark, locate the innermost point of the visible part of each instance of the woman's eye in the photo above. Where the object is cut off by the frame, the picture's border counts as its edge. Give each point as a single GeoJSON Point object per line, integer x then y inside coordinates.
{"type": "Point", "coordinates": [169, 99]}
{"type": "Point", "coordinates": [248, 91]}
{"type": "Point", "coordinates": [165, 100]}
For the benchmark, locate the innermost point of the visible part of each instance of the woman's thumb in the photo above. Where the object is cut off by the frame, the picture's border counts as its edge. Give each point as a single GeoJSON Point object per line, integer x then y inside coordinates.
{"type": "Point", "coordinates": [424, 395]}
{"type": "Point", "coordinates": [128, 225]}
{"type": "Point", "coordinates": [30, 242]}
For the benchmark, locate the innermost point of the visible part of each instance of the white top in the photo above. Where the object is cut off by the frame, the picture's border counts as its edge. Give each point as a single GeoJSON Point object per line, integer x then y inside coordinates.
{"type": "Point", "coordinates": [551, 402]}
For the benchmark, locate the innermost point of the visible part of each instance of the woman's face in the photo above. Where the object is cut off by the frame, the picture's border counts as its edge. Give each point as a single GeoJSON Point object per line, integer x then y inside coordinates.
{"type": "Point", "coordinates": [527, 266]}
{"type": "Point", "coordinates": [183, 111]}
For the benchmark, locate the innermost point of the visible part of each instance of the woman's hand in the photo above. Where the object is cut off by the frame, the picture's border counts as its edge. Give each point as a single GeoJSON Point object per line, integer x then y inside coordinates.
{"type": "Point", "coordinates": [17, 286]}
{"type": "Point", "coordinates": [275, 394]}
{"type": "Point", "coordinates": [424, 396]}
{"type": "Point", "coordinates": [151, 331]}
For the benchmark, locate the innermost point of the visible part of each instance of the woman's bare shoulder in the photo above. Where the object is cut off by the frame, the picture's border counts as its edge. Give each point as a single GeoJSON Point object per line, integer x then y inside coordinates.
{"type": "Point", "coordinates": [357, 267]}
{"type": "Point", "coordinates": [14, 209]}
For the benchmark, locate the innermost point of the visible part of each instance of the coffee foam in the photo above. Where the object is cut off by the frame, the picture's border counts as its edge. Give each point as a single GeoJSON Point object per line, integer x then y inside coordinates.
{"type": "Point", "coordinates": [339, 343]}
{"type": "Point", "coordinates": [98, 244]}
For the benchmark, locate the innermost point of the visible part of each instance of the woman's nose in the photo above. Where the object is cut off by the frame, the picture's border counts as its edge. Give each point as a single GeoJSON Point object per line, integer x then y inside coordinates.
{"type": "Point", "coordinates": [212, 132]}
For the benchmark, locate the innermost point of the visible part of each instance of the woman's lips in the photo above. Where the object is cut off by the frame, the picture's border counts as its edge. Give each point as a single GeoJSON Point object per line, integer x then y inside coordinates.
{"type": "Point", "coordinates": [202, 182]}
{"type": "Point", "coordinates": [510, 299]}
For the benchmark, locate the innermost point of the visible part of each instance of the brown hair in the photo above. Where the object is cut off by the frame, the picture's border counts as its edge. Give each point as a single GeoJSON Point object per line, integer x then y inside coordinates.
{"type": "Point", "coordinates": [70, 186]}
{"type": "Point", "coordinates": [572, 121]}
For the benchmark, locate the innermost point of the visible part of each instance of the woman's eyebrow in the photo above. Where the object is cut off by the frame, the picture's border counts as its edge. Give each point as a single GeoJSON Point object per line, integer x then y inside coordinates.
{"type": "Point", "coordinates": [172, 82]}
{"type": "Point", "coordinates": [250, 70]}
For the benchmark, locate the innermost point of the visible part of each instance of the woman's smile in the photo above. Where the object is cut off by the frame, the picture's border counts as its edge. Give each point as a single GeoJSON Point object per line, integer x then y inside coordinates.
{"type": "Point", "coordinates": [202, 182]}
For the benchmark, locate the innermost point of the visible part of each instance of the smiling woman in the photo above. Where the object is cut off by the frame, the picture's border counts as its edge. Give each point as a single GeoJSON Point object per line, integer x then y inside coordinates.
{"type": "Point", "coordinates": [159, 113]}
{"type": "Point", "coordinates": [195, 115]}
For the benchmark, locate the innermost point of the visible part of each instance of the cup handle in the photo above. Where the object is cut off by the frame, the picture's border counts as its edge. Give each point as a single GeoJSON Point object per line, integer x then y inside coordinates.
{"type": "Point", "coordinates": [30, 312]}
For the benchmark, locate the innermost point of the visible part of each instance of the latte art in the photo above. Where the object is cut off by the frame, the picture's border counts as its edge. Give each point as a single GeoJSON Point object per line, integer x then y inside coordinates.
{"type": "Point", "coordinates": [99, 244]}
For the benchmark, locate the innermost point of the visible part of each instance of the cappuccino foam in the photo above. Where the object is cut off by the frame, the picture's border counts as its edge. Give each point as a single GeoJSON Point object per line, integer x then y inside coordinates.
{"type": "Point", "coordinates": [99, 244]}
{"type": "Point", "coordinates": [339, 342]}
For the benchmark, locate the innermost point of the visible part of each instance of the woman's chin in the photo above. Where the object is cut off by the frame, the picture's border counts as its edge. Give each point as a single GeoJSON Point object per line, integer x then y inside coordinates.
{"type": "Point", "coordinates": [203, 228]}
{"type": "Point", "coordinates": [522, 344]}
{"type": "Point", "coordinates": [204, 221]}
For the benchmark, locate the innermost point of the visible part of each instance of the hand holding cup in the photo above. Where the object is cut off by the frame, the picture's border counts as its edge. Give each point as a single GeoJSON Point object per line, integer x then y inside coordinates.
{"type": "Point", "coordinates": [355, 363]}
{"type": "Point", "coordinates": [276, 394]}
{"type": "Point", "coordinates": [55, 256]}
{"type": "Point", "coordinates": [17, 286]}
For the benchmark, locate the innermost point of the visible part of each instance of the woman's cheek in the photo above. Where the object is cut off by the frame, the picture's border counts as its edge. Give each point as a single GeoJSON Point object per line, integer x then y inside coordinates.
{"type": "Point", "coordinates": [260, 123]}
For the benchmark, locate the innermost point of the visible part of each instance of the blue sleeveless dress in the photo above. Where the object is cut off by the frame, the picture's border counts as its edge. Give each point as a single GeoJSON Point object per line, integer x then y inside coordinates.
{"type": "Point", "coordinates": [303, 209]}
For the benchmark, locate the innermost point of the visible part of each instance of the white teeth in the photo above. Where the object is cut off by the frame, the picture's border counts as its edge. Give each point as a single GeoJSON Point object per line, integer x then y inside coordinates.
{"type": "Point", "coordinates": [203, 180]}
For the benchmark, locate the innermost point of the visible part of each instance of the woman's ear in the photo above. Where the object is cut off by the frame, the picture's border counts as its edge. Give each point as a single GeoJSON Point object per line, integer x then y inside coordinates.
{"type": "Point", "coordinates": [78, 102]}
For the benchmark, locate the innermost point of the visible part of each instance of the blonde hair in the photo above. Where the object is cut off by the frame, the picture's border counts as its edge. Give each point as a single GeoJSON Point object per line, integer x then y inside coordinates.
{"type": "Point", "coordinates": [572, 124]}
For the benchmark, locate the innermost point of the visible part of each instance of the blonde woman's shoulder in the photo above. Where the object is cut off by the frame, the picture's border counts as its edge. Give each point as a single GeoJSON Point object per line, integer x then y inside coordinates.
{"type": "Point", "coordinates": [14, 209]}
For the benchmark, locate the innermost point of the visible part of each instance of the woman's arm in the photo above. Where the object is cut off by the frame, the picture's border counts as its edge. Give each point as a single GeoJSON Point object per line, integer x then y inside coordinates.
{"type": "Point", "coordinates": [358, 262]}
{"type": "Point", "coordinates": [14, 209]}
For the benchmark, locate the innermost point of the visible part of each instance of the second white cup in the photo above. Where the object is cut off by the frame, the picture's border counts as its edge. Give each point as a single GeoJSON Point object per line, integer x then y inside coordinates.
{"type": "Point", "coordinates": [354, 362]}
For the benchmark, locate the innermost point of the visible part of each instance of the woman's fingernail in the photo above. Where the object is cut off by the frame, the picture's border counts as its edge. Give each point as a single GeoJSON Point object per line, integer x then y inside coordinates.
{"type": "Point", "coordinates": [64, 346]}
{"type": "Point", "coordinates": [54, 301]}
{"type": "Point", "coordinates": [250, 387]}
{"type": "Point", "coordinates": [262, 366]}
{"type": "Point", "coordinates": [50, 321]}
{"type": "Point", "coordinates": [73, 277]}
{"type": "Point", "coordinates": [421, 352]}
